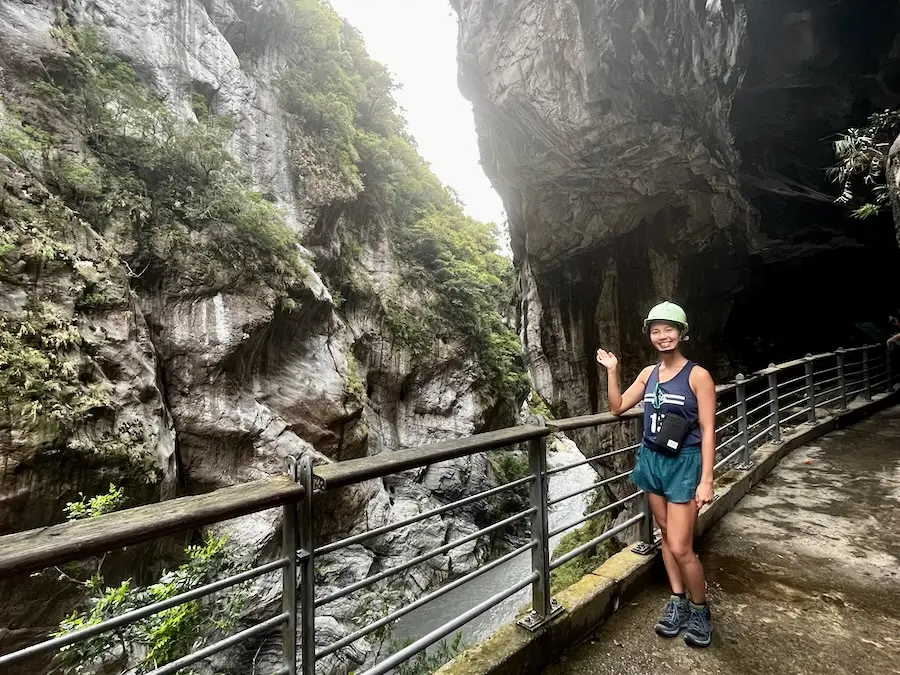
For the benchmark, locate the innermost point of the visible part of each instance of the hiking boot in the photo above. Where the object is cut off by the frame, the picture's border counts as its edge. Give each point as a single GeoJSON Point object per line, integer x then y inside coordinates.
{"type": "Point", "coordinates": [699, 628]}
{"type": "Point", "coordinates": [674, 618]}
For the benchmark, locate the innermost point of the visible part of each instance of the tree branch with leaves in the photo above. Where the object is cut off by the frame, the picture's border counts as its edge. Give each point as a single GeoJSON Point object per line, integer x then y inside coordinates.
{"type": "Point", "coordinates": [861, 158]}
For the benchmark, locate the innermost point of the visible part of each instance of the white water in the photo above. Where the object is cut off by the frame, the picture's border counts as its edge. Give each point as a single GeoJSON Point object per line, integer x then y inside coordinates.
{"type": "Point", "coordinates": [422, 621]}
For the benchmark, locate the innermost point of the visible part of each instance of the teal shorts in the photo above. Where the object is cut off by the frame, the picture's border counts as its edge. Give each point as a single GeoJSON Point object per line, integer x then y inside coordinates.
{"type": "Point", "coordinates": [675, 478]}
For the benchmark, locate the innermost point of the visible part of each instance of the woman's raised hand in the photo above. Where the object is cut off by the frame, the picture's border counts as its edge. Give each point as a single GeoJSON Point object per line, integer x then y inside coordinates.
{"type": "Point", "coordinates": [607, 359]}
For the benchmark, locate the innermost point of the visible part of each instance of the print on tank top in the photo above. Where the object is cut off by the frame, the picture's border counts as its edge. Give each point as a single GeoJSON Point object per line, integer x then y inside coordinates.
{"type": "Point", "coordinates": [667, 398]}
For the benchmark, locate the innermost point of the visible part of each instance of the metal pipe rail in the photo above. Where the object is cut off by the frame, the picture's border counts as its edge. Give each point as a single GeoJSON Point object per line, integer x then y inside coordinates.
{"type": "Point", "coordinates": [368, 581]}
{"type": "Point", "coordinates": [38, 549]}
{"type": "Point", "coordinates": [858, 371]}
{"type": "Point", "coordinates": [44, 547]}
{"type": "Point", "coordinates": [343, 543]}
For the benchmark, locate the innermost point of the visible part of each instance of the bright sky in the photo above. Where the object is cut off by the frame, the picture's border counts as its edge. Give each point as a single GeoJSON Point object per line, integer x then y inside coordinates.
{"type": "Point", "coordinates": [416, 40]}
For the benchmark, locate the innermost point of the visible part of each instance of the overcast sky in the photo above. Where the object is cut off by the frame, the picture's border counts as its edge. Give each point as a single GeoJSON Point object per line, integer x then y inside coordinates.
{"type": "Point", "coordinates": [416, 40]}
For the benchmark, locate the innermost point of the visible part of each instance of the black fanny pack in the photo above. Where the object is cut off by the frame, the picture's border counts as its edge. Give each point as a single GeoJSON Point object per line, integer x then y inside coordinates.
{"type": "Point", "coordinates": [671, 435]}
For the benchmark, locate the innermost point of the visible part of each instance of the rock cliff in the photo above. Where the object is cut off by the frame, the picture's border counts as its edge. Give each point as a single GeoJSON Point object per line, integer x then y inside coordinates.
{"type": "Point", "coordinates": [650, 150]}
{"type": "Point", "coordinates": [178, 358]}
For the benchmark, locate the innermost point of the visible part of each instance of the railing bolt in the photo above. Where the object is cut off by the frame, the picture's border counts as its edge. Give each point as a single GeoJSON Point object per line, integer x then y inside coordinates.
{"type": "Point", "coordinates": [543, 606]}
{"type": "Point", "coordinates": [810, 390]}
{"type": "Point", "coordinates": [774, 406]}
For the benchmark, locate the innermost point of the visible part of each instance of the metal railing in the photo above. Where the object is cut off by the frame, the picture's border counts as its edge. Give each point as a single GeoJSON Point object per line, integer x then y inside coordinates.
{"type": "Point", "coordinates": [752, 411]}
{"type": "Point", "coordinates": [34, 550]}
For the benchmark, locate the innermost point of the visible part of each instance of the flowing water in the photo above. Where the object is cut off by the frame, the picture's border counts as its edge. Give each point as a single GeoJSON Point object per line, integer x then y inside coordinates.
{"type": "Point", "coordinates": [422, 621]}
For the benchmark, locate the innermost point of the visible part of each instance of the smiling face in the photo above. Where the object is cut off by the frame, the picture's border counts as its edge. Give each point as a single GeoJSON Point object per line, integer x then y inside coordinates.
{"type": "Point", "coordinates": [665, 336]}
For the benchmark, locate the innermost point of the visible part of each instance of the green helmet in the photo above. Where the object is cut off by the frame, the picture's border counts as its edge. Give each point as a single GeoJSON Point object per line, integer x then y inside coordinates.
{"type": "Point", "coordinates": [667, 311]}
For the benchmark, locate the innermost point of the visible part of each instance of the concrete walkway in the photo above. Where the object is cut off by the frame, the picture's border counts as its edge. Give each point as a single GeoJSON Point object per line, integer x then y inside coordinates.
{"type": "Point", "coordinates": [804, 575]}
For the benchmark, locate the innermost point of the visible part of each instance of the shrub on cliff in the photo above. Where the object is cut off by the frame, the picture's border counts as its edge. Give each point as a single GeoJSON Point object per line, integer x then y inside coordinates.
{"type": "Point", "coordinates": [149, 643]}
{"type": "Point", "coordinates": [42, 382]}
{"type": "Point", "coordinates": [462, 287]}
{"type": "Point", "coordinates": [860, 170]}
{"type": "Point", "coordinates": [170, 184]}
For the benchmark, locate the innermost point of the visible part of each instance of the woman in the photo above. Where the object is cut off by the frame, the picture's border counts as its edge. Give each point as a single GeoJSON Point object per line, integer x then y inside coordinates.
{"type": "Point", "coordinates": [675, 461]}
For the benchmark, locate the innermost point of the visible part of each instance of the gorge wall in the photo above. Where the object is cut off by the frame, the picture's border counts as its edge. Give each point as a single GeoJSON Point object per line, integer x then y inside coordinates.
{"type": "Point", "coordinates": [677, 150]}
{"type": "Point", "coordinates": [148, 341]}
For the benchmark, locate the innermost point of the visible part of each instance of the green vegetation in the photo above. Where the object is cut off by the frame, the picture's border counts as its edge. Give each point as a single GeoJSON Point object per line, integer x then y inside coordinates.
{"type": "Point", "coordinates": [455, 285]}
{"type": "Point", "coordinates": [509, 465]}
{"type": "Point", "coordinates": [356, 387]}
{"type": "Point", "coordinates": [169, 184]}
{"type": "Point", "coordinates": [860, 170]}
{"type": "Point", "coordinates": [425, 663]}
{"type": "Point", "coordinates": [566, 575]}
{"type": "Point", "coordinates": [95, 506]}
{"type": "Point", "coordinates": [41, 378]}
{"type": "Point", "coordinates": [164, 637]}
{"type": "Point", "coordinates": [538, 406]}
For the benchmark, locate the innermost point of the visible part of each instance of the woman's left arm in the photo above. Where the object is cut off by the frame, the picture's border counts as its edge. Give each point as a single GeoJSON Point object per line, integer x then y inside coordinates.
{"type": "Point", "coordinates": [705, 390]}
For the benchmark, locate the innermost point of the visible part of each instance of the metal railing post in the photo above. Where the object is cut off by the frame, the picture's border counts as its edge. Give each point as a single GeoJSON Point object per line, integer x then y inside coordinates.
{"type": "Point", "coordinates": [842, 380]}
{"type": "Point", "coordinates": [810, 390]}
{"type": "Point", "coordinates": [889, 384]}
{"type": "Point", "coordinates": [867, 376]}
{"type": "Point", "coordinates": [774, 407]}
{"type": "Point", "coordinates": [648, 542]}
{"type": "Point", "coordinates": [741, 389]}
{"type": "Point", "coordinates": [289, 577]}
{"type": "Point", "coordinates": [543, 606]}
{"type": "Point", "coordinates": [307, 572]}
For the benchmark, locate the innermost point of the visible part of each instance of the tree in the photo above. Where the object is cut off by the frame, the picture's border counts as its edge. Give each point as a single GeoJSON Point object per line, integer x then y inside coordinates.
{"type": "Point", "coordinates": [860, 169]}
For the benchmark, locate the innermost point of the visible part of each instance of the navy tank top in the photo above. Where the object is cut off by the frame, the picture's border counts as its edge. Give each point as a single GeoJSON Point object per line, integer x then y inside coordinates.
{"type": "Point", "coordinates": [674, 397]}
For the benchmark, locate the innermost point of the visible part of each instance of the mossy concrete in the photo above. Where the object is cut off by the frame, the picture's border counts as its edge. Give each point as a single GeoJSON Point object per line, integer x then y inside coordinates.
{"type": "Point", "coordinates": [599, 594]}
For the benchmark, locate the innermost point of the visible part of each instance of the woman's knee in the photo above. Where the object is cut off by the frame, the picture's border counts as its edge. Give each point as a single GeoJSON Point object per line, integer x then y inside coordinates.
{"type": "Point", "coordinates": [682, 549]}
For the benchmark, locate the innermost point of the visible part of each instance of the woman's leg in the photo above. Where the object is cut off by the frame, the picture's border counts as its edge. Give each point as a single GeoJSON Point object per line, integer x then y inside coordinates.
{"type": "Point", "coordinates": [659, 507]}
{"type": "Point", "coordinates": [680, 522]}
{"type": "Point", "coordinates": [676, 613]}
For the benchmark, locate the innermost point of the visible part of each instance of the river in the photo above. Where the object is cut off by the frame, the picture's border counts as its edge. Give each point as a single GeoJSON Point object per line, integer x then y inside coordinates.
{"type": "Point", "coordinates": [561, 452]}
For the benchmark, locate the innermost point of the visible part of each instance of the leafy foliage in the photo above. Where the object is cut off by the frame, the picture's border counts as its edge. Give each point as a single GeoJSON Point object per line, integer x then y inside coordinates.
{"type": "Point", "coordinates": [164, 637]}
{"type": "Point", "coordinates": [509, 465]}
{"type": "Point", "coordinates": [356, 387]}
{"type": "Point", "coordinates": [96, 505]}
{"type": "Point", "coordinates": [456, 286]}
{"type": "Point", "coordinates": [539, 406]}
{"type": "Point", "coordinates": [862, 154]}
{"type": "Point", "coordinates": [185, 197]}
{"type": "Point", "coordinates": [18, 141]}
{"type": "Point", "coordinates": [566, 575]}
{"type": "Point", "coordinates": [41, 377]}
{"type": "Point", "coordinates": [424, 663]}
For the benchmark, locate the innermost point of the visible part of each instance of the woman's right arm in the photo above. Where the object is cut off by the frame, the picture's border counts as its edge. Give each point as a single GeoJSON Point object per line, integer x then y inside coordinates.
{"type": "Point", "coordinates": [619, 402]}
